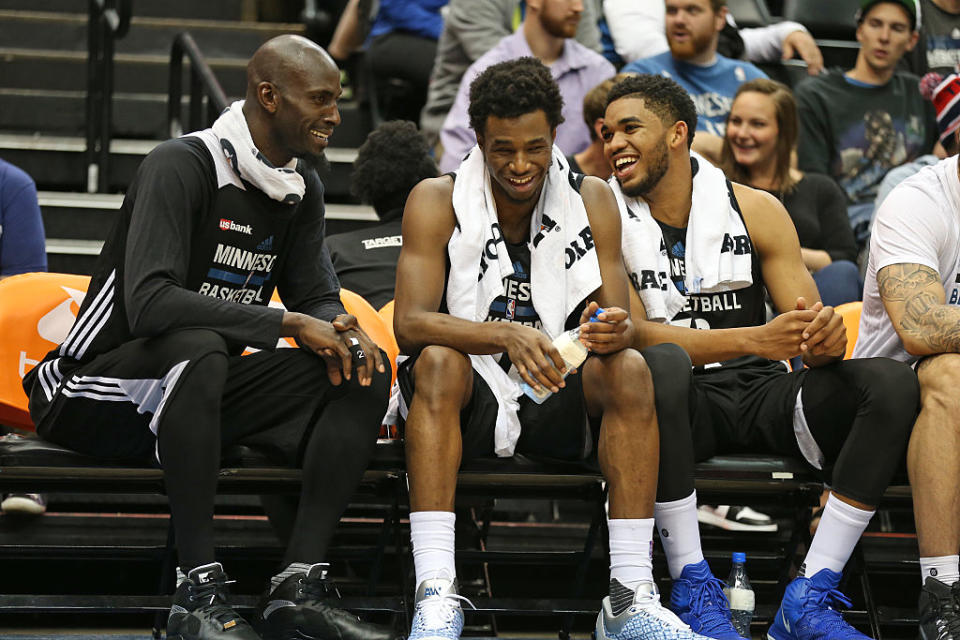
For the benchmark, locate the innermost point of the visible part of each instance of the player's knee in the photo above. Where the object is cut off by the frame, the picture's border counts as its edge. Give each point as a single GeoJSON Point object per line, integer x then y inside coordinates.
{"type": "Point", "coordinates": [622, 378]}
{"type": "Point", "coordinates": [190, 344]}
{"type": "Point", "coordinates": [894, 397]}
{"type": "Point", "coordinates": [939, 379]}
{"type": "Point", "coordinates": [442, 374]}
{"type": "Point", "coordinates": [670, 369]}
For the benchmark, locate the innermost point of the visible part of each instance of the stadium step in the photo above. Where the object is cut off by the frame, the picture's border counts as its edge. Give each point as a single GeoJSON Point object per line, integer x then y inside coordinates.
{"type": "Point", "coordinates": [216, 38]}
{"type": "Point", "coordinates": [133, 72]}
{"type": "Point", "coordinates": [58, 162]}
{"type": "Point", "coordinates": [184, 9]}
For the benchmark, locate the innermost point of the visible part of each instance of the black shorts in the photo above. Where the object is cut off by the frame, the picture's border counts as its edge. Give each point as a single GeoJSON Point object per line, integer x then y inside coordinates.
{"type": "Point", "coordinates": [558, 429]}
{"type": "Point", "coordinates": [110, 407]}
{"type": "Point", "coordinates": [748, 409]}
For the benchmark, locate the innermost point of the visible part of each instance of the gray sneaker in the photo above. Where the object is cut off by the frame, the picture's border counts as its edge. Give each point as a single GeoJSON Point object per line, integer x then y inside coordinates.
{"type": "Point", "coordinates": [638, 615]}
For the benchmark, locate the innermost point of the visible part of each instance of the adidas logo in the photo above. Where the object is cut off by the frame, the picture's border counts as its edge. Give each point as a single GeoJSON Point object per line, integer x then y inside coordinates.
{"type": "Point", "coordinates": [431, 591]}
{"type": "Point", "coordinates": [230, 225]}
{"type": "Point", "coordinates": [266, 245]}
{"type": "Point", "coordinates": [933, 572]}
{"type": "Point", "coordinates": [664, 533]}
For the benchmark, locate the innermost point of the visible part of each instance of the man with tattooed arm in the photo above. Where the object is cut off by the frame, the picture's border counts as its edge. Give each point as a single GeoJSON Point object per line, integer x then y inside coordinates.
{"type": "Point", "coordinates": [911, 312]}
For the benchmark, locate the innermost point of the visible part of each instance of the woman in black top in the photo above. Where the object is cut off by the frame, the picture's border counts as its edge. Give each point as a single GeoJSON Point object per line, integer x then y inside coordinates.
{"type": "Point", "coordinates": [760, 138]}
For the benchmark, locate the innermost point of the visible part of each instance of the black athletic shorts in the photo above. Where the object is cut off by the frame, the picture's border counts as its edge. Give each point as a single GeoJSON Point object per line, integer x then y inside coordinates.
{"type": "Point", "coordinates": [558, 429]}
{"type": "Point", "coordinates": [745, 409]}
{"type": "Point", "coordinates": [110, 406]}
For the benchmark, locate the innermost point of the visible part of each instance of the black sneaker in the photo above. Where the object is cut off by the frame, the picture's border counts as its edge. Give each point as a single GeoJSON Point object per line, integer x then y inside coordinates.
{"type": "Point", "coordinates": [200, 610]}
{"type": "Point", "coordinates": [298, 609]}
{"type": "Point", "coordinates": [939, 611]}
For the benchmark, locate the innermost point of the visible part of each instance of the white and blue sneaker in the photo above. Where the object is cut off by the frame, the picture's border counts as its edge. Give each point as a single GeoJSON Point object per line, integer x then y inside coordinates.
{"type": "Point", "coordinates": [437, 614]}
{"type": "Point", "coordinates": [638, 615]}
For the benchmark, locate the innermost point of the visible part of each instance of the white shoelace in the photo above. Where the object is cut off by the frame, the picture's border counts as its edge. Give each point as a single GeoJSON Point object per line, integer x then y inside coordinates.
{"type": "Point", "coordinates": [437, 611]}
{"type": "Point", "coordinates": [651, 604]}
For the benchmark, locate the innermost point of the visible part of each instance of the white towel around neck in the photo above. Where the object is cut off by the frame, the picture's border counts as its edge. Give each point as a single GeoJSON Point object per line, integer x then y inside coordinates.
{"type": "Point", "coordinates": [563, 265]}
{"type": "Point", "coordinates": [230, 135]}
{"type": "Point", "coordinates": [709, 268]}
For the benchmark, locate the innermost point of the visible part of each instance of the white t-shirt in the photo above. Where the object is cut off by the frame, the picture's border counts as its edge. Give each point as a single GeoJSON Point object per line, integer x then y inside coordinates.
{"type": "Point", "coordinates": [919, 222]}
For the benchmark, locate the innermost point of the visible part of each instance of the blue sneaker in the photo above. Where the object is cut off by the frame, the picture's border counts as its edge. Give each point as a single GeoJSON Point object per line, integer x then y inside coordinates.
{"type": "Point", "coordinates": [807, 611]}
{"type": "Point", "coordinates": [638, 615]}
{"type": "Point", "coordinates": [697, 597]}
{"type": "Point", "coordinates": [437, 613]}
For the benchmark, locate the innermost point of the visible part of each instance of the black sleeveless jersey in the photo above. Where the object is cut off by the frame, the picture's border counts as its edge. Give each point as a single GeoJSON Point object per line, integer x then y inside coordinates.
{"type": "Point", "coordinates": [724, 310]}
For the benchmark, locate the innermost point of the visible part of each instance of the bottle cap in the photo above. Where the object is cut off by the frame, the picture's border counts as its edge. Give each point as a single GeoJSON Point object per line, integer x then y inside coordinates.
{"type": "Point", "coordinates": [739, 556]}
{"type": "Point", "coordinates": [596, 314]}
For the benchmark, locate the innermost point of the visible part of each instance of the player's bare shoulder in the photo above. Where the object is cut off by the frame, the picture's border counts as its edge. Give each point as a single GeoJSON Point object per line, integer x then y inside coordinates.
{"type": "Point", "coordinates": [763, 214]}
{"type": "Point", "coordinates": [429, 209]}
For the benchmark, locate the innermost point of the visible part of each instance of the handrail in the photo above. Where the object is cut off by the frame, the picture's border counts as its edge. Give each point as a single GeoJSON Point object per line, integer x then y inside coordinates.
{"type": "Point", "coordinates": [203, 84]}
{"type": "Point", "coordinates": [108, 21]}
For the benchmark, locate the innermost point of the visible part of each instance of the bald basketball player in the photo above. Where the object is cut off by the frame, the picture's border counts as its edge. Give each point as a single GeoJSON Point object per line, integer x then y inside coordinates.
{"type": "Point", "coordinates": [212, 224]}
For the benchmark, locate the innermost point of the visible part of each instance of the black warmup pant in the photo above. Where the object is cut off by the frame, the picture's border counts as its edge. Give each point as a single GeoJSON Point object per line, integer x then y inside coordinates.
{"type": "Point", "coordinates": [182, 398]}
{"type": "Point", "coordinates": [858, 415]}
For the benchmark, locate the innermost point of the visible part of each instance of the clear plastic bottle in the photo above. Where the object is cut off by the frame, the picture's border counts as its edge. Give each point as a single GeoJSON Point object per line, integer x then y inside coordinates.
{"type": "Point", "coordinates": [573, 353]}
{"type": "Point", "coordinates": [740, 594]}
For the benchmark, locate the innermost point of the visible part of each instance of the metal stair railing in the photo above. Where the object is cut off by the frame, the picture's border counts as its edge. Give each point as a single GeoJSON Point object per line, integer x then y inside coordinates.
{"type": "Point", "coordinates": [108, 21]}
{"type": "Point", "coordinates": [207, 98]}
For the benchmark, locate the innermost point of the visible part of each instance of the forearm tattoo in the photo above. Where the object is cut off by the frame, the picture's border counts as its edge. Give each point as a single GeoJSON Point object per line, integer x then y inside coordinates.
{"type": "Point", "coordinates": [925, 317]}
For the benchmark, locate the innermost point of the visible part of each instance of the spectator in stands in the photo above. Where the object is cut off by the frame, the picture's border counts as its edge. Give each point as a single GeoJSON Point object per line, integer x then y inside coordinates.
{"type": "Point", "coordinates": [402, 44]}
{"type": "Point", "coordinates": [728, 245]}
{"type": "Point", "coordinates": [591, 161]}
{"type": "Point", "coordinates": [910, 314]}
{"type": "Point", "coordinates": [693, 30]}
{"type": "Point", "coordinates": [394, 158]}
{"type": "Point", "coordinates": [857, 125]}
{"type": "Point", "coordinates": [470, 29]}
{"type": "Point", "coordinates": [635, 30]}
{"type": "Point", "coordinates": [938, 48]}
{"type": "Point", "coordinates": [22, 250]}
{"type": "Point", "coordinates": [547, 34]}
{"type": "Point", "coordinates": [933, 88]}
{"type": "Point", "coordinates": [465, 334]}
{"type": "Point", "coordinates": [760, 139]}
{"type": "Point", "coordinates": [22, 240]}
{"type": "Point", "coordinates": [212, 224]}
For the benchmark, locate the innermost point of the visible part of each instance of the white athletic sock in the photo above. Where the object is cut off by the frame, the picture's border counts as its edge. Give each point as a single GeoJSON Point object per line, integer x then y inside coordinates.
{"type": "Point", "coordinates": [433, 539]}
{"type": "Point", "coordinates": [631, 541]}
{"type": "Point", "coordinates": [840, 528]}
{"type": "Point", "coordinates": [943, 568]}
{"type": "Point", "coordinates": [679, 532]}
{"type": "Point", "coordinates": [292, 568]}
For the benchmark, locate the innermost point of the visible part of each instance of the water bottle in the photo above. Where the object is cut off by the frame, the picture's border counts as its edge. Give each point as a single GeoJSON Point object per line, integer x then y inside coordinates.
{"type": "Point", "coordinates": [573, 353]}
{"type": "Point", "coordinates": [740, 594]}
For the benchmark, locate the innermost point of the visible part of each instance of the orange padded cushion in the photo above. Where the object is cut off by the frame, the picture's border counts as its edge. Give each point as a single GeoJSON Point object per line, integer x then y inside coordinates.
{"type": "Point", "coordinates": [36, 313]}
{"type": "Point", "coordinates": [370, 321]}
{"type": "Point", "coordinates": [850, 312]}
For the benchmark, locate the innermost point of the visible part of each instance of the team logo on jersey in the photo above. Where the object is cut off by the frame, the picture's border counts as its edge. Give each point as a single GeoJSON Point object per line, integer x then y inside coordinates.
{"type": "Point", "coordinates": [230, 225]}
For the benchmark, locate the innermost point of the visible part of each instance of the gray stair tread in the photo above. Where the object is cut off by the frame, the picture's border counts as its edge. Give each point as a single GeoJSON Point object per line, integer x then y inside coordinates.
{"type": "Point", "coordinates": [125, 146]}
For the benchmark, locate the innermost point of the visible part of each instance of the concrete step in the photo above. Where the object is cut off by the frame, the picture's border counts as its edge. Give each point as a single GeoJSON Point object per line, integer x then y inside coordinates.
{"type": "Point", "coordinates": [185, 9]}
{"type": "Point", "coordinates": [133, 72]}
{"type": "Point", "coordinates": [58, 163]}
{"type": "Point", "coordinates": [76, 225]}
{"type": "Point", "coordinates": [68, 31]}
{"type": "Point", "coordinates": [135, 115]}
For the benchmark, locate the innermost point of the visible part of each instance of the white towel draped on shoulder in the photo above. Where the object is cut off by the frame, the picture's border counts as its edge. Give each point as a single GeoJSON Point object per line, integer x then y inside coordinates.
{"type": "Point", "coordinates": [712, 262]}
{"type": "Point", "coordinates": [563, 265]}
{"type": "Point", "coordinates": [230, 136]}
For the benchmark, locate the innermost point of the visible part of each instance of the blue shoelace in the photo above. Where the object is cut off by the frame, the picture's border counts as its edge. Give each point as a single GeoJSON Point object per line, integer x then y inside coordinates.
{"type": "Point", "coordinates": [825, 618]}
{"type": "Point", "coordinates": [710, 603]}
